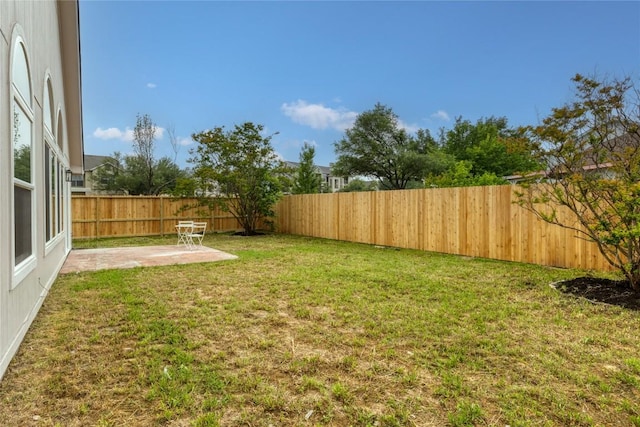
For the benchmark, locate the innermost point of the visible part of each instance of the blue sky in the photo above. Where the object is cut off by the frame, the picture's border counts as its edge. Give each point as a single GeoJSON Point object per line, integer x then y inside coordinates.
{"type": "Point", "coordinates": [307, 69]}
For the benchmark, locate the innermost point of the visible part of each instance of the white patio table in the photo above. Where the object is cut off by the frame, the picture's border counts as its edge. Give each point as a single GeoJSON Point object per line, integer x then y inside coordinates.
{"type": "Point", "coordinates": [184, 230]}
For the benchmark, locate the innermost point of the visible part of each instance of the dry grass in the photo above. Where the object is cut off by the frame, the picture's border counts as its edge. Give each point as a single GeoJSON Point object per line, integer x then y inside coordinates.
{"type": "Point", "coordinates": [302, 331]}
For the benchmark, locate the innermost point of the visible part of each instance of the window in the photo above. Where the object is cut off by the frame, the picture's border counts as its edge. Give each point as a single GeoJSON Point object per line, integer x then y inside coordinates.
{"type": "Point", "coordinates": [61, 178]}
{"type": "Point", "coordinates": [52, 183]}
{"type": "Point", "coordinates": [22, 139]}
{"type": "Point", "coordinates": [336, 183]}
{"type": "Point", "coordinates": [47, 100]}
{"type": "Point", "coordinates": [77, 180]}
{"type": "Point", "coordinates": [60, 197]}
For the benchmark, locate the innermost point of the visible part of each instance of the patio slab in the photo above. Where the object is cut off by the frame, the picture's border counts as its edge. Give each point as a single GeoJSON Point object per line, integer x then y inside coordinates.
{"type": "Point", "coordinates": [140, 256]}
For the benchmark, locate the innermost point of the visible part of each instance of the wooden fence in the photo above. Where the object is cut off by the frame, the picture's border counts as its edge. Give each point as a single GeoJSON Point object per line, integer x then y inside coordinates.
{"type": "Point", "coordinates": [472, 221]}
{"type": "Point", "coordinates": [119, 216]}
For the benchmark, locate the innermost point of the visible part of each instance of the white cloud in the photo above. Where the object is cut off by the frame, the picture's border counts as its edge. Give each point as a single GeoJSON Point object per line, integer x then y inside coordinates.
{"type": "Point", "coordinates": [125, 135]}
{"type": "Point", "coordinates": [318, 116]}
{"type": "Point", "coordinates": [407, 127]}
{"type": "Point", "coordinates": [110, 133]}
{"type": "Point", "coordinates": [441, 115]}
{"type": "Point", "coordinates": [184, 141]}
{"type": "Point", "coordinates": [151, 85]}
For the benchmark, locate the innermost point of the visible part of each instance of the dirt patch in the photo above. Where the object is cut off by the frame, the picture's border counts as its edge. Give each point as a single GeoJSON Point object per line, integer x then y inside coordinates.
{"type": "Point", "coordinates": [598, 290]}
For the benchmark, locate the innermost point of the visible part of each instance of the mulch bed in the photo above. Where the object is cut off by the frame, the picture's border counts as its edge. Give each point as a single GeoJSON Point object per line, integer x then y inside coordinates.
{"type": "Point", "coordinates": [596, 290]}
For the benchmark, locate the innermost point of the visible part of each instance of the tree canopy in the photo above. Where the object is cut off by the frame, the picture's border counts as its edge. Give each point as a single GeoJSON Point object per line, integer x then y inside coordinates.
{"type": "Point", "coordinates": [144, 135]}
{"type": "Point", "coordinates": [379, 147]}
{"type": "Point", "coordinates": [307, 180]}
{"type": "Point", "coordinates": [241, 167]}
{"type": "Point", "coordinates": [140, 173]}
{"type": "Point", "coordinates": [357, 184]}
{"type": "Point", "coordinates": [129, 175]}
{"type": "Point", "coordinates": [460, 175]}
{"type": "Point", "coordinates": [490, 146]}
{"type": "Point", "coordinates": [591, 148]}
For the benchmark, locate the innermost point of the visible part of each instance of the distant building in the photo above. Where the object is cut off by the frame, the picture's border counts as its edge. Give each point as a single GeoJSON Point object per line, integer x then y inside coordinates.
{"type": "Point", "coordinates": [331, 182]}
{"type": "Point", "coordinates": [616, 146]}
{"type": "Point", "coordinates": [84, 183]}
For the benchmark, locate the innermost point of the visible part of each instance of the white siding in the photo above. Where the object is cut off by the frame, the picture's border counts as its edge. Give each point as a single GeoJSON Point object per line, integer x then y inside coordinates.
{"type": "Point", "coordinates": [38, 25]}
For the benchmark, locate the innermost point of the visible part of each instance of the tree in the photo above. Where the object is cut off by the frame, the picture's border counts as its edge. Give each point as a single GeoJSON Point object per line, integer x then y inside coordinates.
{"type": "Point", "coordinates": [127, 175]}
{"type": "Point", "coordinates": [307, 180]}
{"type": "Point", "coordinates": [141, 173]}
{"type": "Point", "coordinates": [166, 175]}
{"type": "Point", "coordinates": [106, 177]}
{"type": "Point", "coordinates": [144, 135]}
{"type": "Point", "coordinates": [459, 175]}
{"type": "Point", "coordinates": [591, 147]}
{"type": "Point", "coordinates": [490, 146]}
{"type": "Point", "coordinates": [377, 146]}
{"type": "Point", "coordinates": [241, 166]}
{"type": "Point", "coordinates": [358, 184]}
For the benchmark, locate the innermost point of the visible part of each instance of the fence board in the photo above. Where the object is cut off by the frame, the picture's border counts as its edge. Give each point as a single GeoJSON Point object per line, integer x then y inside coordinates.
{"type": "Point", "coordinates": [473, 221]}
{"type": "Point", "coordinates": [120, 216]}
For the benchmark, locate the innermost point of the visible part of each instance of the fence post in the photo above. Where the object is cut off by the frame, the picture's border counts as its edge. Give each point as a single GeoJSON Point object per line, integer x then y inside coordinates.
{"type": "Point", "coordinates": [162, 216]}
{"type": "Point", "coordinates": [212, 210]}
{"type": "Point", "coordinates": [97, 217]}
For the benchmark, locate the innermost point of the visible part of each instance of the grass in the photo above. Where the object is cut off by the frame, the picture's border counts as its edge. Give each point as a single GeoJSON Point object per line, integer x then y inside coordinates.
{"type": "Point", "coordinates": [301, 331]}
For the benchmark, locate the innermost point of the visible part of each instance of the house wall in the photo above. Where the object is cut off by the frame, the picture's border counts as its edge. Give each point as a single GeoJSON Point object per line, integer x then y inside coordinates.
{"type": "Point", "coordinates": [38, 24]}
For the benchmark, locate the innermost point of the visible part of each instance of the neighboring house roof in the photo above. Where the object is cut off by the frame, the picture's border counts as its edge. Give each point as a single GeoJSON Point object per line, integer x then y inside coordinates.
{"type": "Point", "coordinates": [617, 145]}
{"type": "Point", "coordinates": [325, 170]}
{"type": "Point", "coordinates": [92, 162]}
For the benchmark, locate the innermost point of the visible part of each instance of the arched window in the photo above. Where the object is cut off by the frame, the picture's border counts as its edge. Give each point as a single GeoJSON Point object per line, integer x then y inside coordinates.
{"type": "Point", "coordinates": [59, 132]}
{"type": "Point", "coordinates": [51, 166]}
{"type": "Point", "coordinates": [47, 106]}
{"type": "Point", "coordinates": [22, 141]}
{"type": "Point", "coordinates": [61, 173]}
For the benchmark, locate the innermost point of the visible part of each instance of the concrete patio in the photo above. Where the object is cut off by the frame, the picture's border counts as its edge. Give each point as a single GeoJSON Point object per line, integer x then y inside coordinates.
{"type": "Point", "coordinates": [142, 256]}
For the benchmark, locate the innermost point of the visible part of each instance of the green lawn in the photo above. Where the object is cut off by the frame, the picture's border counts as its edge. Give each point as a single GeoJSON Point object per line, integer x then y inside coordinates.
{"type": "Point", "coordinates": [311, 332]}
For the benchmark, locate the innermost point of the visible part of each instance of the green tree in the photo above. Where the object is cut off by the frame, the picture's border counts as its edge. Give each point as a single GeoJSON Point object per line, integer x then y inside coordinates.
{"type": "Point", "coordinates": [185, 187]}
{"type": "Point", "coordinates": [459, 175]}
{"type": "Point", "coordinates": [144, 135]}
{"type": "Point", "coordinates": [127, 175]}
{"type": "Point", "coordinates": [141, 173]}
{"type": "Point", "coordinates": [591, 147]}
{"type": "Point", "coordinates": [106, 178]}
{"type": "Point", "coordinates": [377, 146]}
{"type": "Point", "coordinates": [242, 167]}
{"type": "Point", "coordinates": [22, 162]}
{"type": "Point", "coordinates": [490, 146]}
{"type": "Point", "coordinates": [357, 184]}
{"type": "Point", "coordinates": [307, 180]}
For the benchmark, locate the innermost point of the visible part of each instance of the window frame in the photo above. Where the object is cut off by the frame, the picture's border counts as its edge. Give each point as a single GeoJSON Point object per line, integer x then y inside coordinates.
{"type": "Point", "coordinates": [17, 100]}
{"type": "Point", "coordinates": [52, 185]}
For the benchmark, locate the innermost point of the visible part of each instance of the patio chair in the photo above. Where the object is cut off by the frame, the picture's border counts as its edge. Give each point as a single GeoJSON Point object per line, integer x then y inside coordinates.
{"type": "Point", "coordinates": [195, 236]}
{"type": "Point", "coordinates": [184, 228]}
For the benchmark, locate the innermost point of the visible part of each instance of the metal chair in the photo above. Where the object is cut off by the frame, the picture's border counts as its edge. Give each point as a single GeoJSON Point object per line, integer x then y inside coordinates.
{"type": "Point", "coordinates": [195, 236]}
{"type": "Point", "coordinates": [184, 228]}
